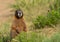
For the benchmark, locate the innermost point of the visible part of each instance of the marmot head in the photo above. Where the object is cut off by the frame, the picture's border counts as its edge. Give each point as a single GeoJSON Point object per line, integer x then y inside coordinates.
{"type": "Point", "coordinates": [18, 14]}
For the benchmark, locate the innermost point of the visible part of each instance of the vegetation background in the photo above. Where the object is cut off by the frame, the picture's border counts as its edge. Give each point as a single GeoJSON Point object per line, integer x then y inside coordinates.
{"type": "Point", "coordinates": [42, 19]}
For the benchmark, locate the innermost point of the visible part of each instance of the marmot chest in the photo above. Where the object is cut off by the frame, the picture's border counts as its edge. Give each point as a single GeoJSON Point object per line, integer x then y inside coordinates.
{"type": "Point", "coordinates": [18, 24]}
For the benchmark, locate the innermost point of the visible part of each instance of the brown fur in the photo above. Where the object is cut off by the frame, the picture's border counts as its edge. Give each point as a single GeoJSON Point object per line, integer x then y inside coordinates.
{"type": "Point", "coordinates": [17, 26]}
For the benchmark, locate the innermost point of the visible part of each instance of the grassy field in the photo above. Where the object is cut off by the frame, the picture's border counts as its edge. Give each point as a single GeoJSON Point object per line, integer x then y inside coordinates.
{"type": "Point", "coordinates": [31, 9]}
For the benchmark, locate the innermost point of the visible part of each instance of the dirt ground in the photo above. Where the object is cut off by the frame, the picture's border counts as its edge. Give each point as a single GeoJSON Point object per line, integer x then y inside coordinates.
{"type": "Point", "coordinates": [5, 9]}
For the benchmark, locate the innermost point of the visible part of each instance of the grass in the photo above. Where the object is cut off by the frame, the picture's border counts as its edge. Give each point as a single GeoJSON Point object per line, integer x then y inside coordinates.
{"type": "Point", "coordinates": [34, 37]}
{"type": "Point", "coordinates": [29, 37]}
{"type": "Point", "coordinates": [5, 31]}
{"type": "Point", "coordinates": [54, 38]}
{"type": "Point", "coordinates": [52, 18]}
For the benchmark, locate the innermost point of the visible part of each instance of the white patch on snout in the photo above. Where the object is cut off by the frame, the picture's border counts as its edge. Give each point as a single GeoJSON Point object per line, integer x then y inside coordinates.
{"type": "Point", "coordinates": [19, 14]}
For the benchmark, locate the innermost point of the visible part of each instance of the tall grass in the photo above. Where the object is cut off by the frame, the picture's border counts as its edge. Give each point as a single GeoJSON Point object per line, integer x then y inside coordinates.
{"type": "Point", "coordinates": [27, 4]}
{"type": "Point", "coordinates": [29, 37]}
{"type": "Point", "coordinates": [55, 6]}
{"type": "Point", "coordinates": [34, 37]}
{"type": "Point", "coordinates": [54, 38]}
{"type": "Point", "coordinates": [5, 32]}
{"type": "Point", "coordinates": [4, 38]}
{"type": "Point", "coordinates": [52, 18]}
